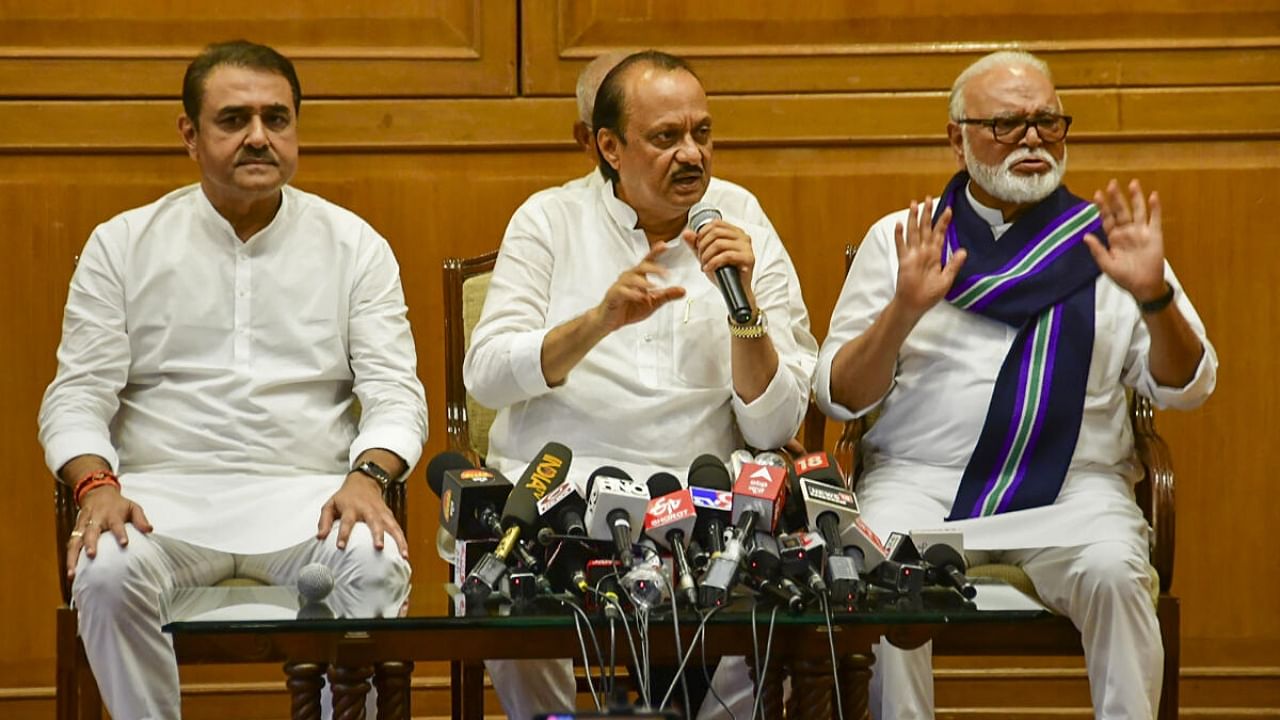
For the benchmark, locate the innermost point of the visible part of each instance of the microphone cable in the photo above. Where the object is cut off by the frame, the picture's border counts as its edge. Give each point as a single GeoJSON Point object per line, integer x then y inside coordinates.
{"type": "Point", "coordinates": [582, 643]}
{"type": "Point", "coordinates": [684, 686]}
{"type": "Point", "coordinates": [831, 642]}
{"type": "Point", "coordinates": [762, 670]}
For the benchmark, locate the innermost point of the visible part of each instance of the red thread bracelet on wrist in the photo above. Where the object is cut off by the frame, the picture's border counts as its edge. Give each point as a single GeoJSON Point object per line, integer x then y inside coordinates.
{"type": "Point", "coordinates": [92, 481]}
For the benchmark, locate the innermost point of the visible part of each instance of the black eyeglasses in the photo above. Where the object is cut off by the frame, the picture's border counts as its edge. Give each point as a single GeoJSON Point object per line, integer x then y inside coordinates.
{"type": "Point", "coordinates": [1010, 130]}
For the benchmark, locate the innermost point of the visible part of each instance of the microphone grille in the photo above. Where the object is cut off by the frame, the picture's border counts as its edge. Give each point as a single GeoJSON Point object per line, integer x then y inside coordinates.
{"type": "Point", "coordinates": [702, 213]}
{"type": "Point", "coordinates": [315, 582]}
{"type": "Point", "coordinates": [708, 471]}
{"type": "Point", "coordinates": [663, 483]}
{"type": "Point", "coordinates": [443, 463]}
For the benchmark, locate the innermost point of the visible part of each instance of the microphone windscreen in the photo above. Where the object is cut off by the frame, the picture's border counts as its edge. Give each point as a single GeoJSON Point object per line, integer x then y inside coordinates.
{"type": "Point", "coordinates": [702, 213]}
{"type": "Point", "coordinates": [315, 582]}
{"type": "Point", "coordinates": [549, 468]}
{"type": "Point", "coordinates": [443, 463]}
{"type": "Point", "coordinates": [663, 483]}
{"type": "Point", "coordinates": [605, 471]}
{"type": "Point", "coordinates": [708, 471]}
{"type": "Point", "coordinates": [819, 466]}
{"type": "Point", "coordinates": [940, 555]}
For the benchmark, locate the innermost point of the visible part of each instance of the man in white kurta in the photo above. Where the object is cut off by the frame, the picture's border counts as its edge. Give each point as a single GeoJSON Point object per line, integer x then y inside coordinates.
{"type": "Point", "coordinates": [930, 369]}
{"type": "Point", "coordinates": [230, 353]}
{"type": "Point", "coordinates": [603, 274]}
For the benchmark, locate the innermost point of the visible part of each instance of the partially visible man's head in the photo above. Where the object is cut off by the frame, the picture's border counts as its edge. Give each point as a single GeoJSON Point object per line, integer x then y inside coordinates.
{"type": "Point", "coordinates": [1010, 160]}
{"type": "Point", "coordinates": [653, 132]}
{"type": "Point", "coordinates": [241, 103]}
{"type": "Point", "coordinates": [588, 85]}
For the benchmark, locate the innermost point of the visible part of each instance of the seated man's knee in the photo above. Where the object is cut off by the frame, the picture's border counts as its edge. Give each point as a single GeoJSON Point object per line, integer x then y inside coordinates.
{"type": "Point", "coordinates": [1112, 568]}
{"type": "Point", "coordinates": [363, 565]}
{"type": "Point", "coordinates": [118, 575]}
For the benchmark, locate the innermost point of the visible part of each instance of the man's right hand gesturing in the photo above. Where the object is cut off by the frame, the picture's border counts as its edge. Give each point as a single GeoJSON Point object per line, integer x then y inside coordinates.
{"type": "Point", "coordinates": [922, 280]}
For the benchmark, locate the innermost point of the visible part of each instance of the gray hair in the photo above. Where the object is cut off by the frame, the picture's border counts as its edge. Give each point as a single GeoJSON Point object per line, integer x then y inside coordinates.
{"type": "Point", "coordinates": [998, 59]}
{"type": "Point", "coordinates": [589, 82]}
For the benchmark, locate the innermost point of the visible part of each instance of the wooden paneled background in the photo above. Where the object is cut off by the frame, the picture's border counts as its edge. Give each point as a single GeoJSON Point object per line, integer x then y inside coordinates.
{"type": "Point", "coordinates": [434, 119]}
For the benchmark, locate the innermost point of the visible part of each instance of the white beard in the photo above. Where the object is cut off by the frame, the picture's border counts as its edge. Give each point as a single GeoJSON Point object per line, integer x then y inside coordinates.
{"type": "Point", "coordinates": [1004, 184]}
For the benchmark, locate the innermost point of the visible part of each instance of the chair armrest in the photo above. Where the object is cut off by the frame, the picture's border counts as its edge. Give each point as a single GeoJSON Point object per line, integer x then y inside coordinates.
{"type": "Point", "coordinates": [64, 515]}
{"type": "Point", "coordinates": [1156, 490]}
{"type": "Point", "coordinates": [848, 451]}
{"type": "Point", "coordinates": [394, 496]}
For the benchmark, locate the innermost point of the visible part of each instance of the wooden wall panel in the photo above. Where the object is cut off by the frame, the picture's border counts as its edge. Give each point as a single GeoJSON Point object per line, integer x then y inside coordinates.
{"type": "Point", "coordinates": [743, 46]}
{"type": "Point", "coordinates": [140, 48]}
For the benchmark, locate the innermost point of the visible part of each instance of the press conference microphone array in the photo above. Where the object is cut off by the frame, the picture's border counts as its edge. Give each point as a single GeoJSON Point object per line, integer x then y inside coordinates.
{"type": "Point", "coordinates": [669, 520]}
{"type": "Point", "coordinates": [727, 277]}
{"type": "Point", "coordinates": [549, 468]}
{"type": "Point", "coordinates": [616, 505]}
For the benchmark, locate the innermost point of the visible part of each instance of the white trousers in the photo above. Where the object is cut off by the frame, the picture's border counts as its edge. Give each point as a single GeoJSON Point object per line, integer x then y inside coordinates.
{"type": "Point", "coordinates": [117, 595]}
{"type": "Point", "coordinates": [529, 687]}
{"type": "Point", "coordinates": [1102, 587]}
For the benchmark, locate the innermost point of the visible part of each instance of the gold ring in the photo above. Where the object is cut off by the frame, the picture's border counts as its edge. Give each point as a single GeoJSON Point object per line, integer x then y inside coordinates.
{"type": "Point", "coordinates": [77, 533]}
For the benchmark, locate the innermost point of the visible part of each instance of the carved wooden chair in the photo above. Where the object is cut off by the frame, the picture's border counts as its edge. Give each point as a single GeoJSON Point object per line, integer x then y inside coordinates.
{"type": "Point", "coordinates": [77, 691]}
{"type": "Point", "coordinates": [1155, 496]}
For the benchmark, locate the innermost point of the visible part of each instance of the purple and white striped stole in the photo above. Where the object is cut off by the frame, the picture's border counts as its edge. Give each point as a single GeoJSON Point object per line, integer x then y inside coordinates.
{"type": "Point", "coordinates": [1038, 278]}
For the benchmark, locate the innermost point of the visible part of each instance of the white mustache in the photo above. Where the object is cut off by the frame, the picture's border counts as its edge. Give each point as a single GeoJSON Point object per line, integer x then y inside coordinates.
{"type": "Point", "coordinates": [1025, 153]}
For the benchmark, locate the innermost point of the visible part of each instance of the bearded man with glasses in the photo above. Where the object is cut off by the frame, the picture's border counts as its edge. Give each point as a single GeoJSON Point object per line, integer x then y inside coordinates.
{"type": "Point", "coordinates": [996, 331]}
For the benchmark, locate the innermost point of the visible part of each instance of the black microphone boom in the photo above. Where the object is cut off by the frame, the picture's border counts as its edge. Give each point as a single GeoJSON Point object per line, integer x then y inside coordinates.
{"type": "Point", "coordinates": [727, 277]}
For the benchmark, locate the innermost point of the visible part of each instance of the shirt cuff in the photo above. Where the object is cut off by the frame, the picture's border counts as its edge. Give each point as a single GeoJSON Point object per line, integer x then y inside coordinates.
{"type": "Point", "coordinates": [62, 447]}
{"type": "Point", "coordinates": [1194, 392]}
{"type": "Point", "coordinates": [526, 362]}
{"type": "Point", "coordinates": [404, 443]}
{"type": "Point", "coordinates": [828, 406]}
{"type": "Point", "coordinates": [758, 420]}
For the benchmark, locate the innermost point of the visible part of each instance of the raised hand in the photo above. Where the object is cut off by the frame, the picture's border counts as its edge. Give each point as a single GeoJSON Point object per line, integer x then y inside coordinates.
{"type": "Point", "coordinates": [1135, 258]}
{"type": "Point", "coordinates": [922, 280]}
{"type": "Point", "coordinates": [633, 297]}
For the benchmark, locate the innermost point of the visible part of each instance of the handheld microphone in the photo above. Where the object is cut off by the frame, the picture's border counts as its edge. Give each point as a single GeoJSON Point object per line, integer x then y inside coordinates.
{"type": "Point", "coordinates": [520, 513]}
{"type": "Point", "coordinates": [315, 582]}
{"type": "Point", "coordinates": [669, 520]}
{"type": "Point", "coordinates": [728, 278]}
{"type": "Point", "coordinates": [615, 505]}
{"type": "Point", "coordinates": [710, 486]}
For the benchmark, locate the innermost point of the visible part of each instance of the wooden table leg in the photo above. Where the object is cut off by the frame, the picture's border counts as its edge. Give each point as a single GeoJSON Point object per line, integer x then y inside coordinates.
{"type": "Point", "coordinates": [855, 678]}
{"type": "Point", "coordinates": [770, 691]}
{"type": "Point", "coordinates": [305, 681]}
{"type": "Point", "coordinates": [472, 690]}
{"type": "Point", "coordinates": [812, 686]}
{"type": "Point", "coordinates": [350, 689]}
{"type": "Point", "coordinates": [391, 679]}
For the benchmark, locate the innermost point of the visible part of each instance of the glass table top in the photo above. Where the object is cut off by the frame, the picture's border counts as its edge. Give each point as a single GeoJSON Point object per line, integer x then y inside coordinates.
{"type": "Point", "coordinates": [269, 608]}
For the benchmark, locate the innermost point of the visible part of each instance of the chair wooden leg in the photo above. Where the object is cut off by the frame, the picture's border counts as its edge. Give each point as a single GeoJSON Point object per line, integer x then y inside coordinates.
{"type": "Point", "coordinates": [1169, 613]}
{"type": "Point", "coordinates": [455, 689]}
{"type": "Point", "coordinates": [77, 695]}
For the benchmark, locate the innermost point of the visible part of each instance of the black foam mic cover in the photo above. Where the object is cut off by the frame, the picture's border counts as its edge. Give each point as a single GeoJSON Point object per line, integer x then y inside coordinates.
{"type": "Point", "coordinates": [442, 463]}
{"type": "Point", "coordinates": [549, 468]}
{"type": "Point", "coordinates": [663, 483]}
{"type": "Point", "coordinates": [605, 471]}
{"type": "Point", "coordinates": [708, 471]}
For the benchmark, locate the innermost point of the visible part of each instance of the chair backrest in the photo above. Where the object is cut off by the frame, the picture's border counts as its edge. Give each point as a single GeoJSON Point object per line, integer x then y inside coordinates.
{"type": "Point", "coordinates": [1154, 491]}
{"type": "Point", "coordinates": [466, 281]}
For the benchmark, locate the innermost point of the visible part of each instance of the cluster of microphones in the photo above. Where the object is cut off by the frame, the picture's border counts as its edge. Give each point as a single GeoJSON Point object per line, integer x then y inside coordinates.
{"type": "Point", "coordinates": [788, 532]}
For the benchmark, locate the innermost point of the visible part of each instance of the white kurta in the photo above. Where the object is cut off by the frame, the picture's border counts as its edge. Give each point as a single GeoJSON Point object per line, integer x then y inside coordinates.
{"type": "Point", "coordinates": [221, 378]}
{"type": "Point", "coordinates": [653, 395]}
{"type": "Point", "coordinates": [933, 413]}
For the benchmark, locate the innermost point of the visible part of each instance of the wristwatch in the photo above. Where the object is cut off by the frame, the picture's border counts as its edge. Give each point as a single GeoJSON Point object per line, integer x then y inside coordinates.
{"type": "Point", "coordinates": [756, 327]}
{"type": "Point", "coordinates": [1151, 307]}
{"type": "Point", "coordinates": [375, 471]}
